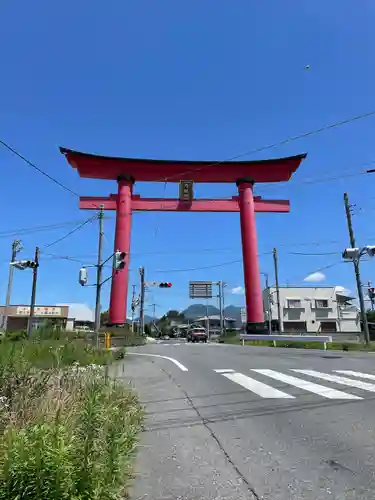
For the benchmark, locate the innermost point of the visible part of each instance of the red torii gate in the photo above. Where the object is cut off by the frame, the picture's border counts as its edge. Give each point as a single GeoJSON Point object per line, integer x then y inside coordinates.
{"type": "Point", "coordinates": [127, 171]}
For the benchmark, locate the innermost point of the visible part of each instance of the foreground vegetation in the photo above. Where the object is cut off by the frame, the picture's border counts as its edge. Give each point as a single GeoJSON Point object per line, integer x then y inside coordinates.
{"type": "Point", "coordinates": [67, 431]}
{"type": "Point", "coordinates": [341, 346]}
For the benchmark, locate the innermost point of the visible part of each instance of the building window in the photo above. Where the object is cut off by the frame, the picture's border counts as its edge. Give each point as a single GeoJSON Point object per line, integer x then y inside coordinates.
{"type": "Point", "coordinates": [328, 326]}
{"type": "Point", "coordinates": [293, 303]}
{"type": "Point", "coordinates": [321, 304]}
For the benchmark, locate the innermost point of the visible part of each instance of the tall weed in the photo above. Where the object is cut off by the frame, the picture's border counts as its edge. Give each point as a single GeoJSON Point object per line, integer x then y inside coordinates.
{"type": "Point", "coordinates": [66, 430]}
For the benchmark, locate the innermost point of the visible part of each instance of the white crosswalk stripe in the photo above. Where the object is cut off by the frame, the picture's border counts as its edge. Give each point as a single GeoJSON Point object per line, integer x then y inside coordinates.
{"type": "Point", "coordinates": [263, 390]}
{"type": "Point", "coordinates": [359, 384]}
{"type": "Point", "coordinates": [356, 374]}
{"type": "Point", "coordinates": [306, 385]}
{"type": "Point", "coordinates": [268, 392]}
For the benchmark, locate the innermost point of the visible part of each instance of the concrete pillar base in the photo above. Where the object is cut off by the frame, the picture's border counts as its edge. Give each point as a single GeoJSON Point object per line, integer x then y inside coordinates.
{"type": "Point", "coordinates": [257, 328]}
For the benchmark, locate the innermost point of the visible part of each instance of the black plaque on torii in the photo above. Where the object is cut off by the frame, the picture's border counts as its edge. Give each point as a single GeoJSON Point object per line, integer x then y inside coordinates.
{"type": "Point", "coordinates": [186, 190]}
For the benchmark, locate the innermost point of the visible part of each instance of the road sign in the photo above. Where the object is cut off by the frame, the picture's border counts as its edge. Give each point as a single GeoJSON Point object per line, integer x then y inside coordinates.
{"type": "Point", "coordinates": [186, 190]}
{"type": "Point", "coordinates": [200, 289]}
{"type": "Point", "coordinates": [243, 315]}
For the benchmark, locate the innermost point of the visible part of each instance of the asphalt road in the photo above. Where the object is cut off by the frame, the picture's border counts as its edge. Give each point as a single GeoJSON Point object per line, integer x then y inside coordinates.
{"type": "Point", "coordinates": [233, 423]}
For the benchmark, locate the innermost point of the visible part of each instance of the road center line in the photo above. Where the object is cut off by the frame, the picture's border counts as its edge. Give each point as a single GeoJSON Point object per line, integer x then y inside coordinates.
{"type": "Point", "coordinates": [326, 392]}
{"type": "Point", "coordinates": [177, 363]}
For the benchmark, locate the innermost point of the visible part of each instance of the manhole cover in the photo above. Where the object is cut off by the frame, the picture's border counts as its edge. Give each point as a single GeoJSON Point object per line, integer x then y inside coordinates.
{"type": "Point", "coordinates": [331, 357]}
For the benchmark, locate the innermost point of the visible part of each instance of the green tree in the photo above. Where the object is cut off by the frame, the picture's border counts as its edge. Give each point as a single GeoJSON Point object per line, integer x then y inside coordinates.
{"type": "Point", "coordinates": [104, 318]}
{"type": "Point", "coordinates": [370, 316]}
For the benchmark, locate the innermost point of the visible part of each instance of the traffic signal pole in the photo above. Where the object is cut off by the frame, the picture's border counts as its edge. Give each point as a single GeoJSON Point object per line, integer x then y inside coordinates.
{"type": "Point", "coordinates": [99, 270]}
{"type": "Point", "coordinates": [142, 301]}
{"type": "Point", "coordinates": [357, 271]}
{"type": "Point", "coordinates": [133, 308]}
{"type": "Point", "coordinates": [33, 292]}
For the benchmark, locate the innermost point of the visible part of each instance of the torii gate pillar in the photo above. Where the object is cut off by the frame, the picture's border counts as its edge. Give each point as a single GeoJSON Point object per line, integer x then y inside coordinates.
{"type": "Point", "coordinates": [253, 290]}
{"type": "Point", "coordinates": [120, 278]}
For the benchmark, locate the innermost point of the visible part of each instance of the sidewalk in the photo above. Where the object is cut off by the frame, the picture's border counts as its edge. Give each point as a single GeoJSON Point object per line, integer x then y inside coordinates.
{"type": "Point", "coordinates": [178, 458]}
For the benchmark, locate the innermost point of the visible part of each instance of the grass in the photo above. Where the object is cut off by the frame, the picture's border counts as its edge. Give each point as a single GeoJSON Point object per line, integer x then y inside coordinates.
{"type": "Point", "coordinates": [341, 346]}
{"type": "Point", "coordinates": [66, 430]}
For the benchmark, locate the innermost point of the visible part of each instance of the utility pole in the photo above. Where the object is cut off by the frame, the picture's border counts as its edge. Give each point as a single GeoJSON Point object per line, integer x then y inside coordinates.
{"type": "Point", "coordinates": [220, 285]}
{"type": "Point", "coordinates": [153, 311]}
{"type": "Point", "coordinates": [33, 292]}
{"type": "Point", "coordinates": [133, 307]}
{"type": "Point", "coordinates": [142, 301]}
{"type": "Point", "coordinates": [99, 269]}
{"type": "Point", "coordinates": [16, 247]}
{"type": "Point", "coordinates": [371, 296]}
{"type": "Point", "coordinates": [207, 322]}
{"type": "Point", "coordinates": [223, 285]}
{"type": "Point", "coordinates": [279, 316]}
{"type": "Point", "coordinates": [356, 270]}
{"type": "Point", "coordinates": [269, 309]}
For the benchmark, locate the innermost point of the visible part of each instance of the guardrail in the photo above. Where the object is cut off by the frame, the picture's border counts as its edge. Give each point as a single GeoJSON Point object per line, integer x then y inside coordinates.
{"type": "Point", "coordinates": [295, 338]}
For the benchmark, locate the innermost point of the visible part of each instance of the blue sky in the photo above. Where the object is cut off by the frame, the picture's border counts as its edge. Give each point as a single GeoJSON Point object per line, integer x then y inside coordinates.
{"type": "Point", "coordinates": [186, 80]}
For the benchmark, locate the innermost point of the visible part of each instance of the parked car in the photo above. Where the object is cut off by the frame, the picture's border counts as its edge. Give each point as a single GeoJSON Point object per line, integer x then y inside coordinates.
{"type": "Point", "coordinates": [197, 334]}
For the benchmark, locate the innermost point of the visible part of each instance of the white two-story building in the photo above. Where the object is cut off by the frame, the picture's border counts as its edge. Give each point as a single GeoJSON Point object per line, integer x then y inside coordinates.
{"type": "Point", "coordinates": [312, 309]}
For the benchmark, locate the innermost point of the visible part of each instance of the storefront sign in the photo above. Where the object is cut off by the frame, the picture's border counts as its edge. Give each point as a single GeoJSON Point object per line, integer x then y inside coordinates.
{"type": "Point", "coordinates": [39, 311]}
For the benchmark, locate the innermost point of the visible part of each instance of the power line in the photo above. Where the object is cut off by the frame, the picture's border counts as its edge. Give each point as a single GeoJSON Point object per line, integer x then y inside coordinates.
{"type": "Point", "coordinates": [197, 268]}
{"type": "Point", "coordinates": [36, 229]}
{"type": "Point", "coordinates": [276, 144]}
{"type": "Point", "coordinates": [80, 258]}
{"type": "Point", "coordinates": [204, 267]}
{"type": "Point", "coordinates": [63, 257]}
{"type": "Point", "coordinates": [31, 164]}
{"type": "Point", "coordinates": [314, 254]}
{"type": "Point", "coordinates": [71, 232]}
{"type": "Point", "coordinates": [322, 179]}
{"type": "Point", "coordinates": [328, 266]}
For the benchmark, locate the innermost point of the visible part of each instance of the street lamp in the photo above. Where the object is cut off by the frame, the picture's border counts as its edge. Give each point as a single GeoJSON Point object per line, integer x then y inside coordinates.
{"type": "Point", "coordinates": [354, 255]}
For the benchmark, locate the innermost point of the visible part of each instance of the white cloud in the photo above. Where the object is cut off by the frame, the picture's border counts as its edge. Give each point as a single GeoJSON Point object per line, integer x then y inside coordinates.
{"type": "Point", "coordinates": [238, 290]}
{"type": "Point", "coordinates": [342, 290]}
{"type": "Point", "coordinates": [81, 312]}
{"type": "Point", "coordinates": [315, 277]}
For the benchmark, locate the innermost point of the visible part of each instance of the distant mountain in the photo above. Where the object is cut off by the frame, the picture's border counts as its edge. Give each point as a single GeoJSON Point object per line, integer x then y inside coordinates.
{"type": "Point", "coordinates": [234, 312]}
{"type": "Point", "coordinates": [199, 310]}
{"type": "Point", "coordinates": [148, 319]}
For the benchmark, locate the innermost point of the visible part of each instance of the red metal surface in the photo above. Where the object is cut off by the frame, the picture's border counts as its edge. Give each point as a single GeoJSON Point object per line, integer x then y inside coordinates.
{"type": "Point", "coordinates": [253, 290]}
{"type": "Point", "coordinates": [172, 205]}
{"type": "Point", "coordinates": [120, 278]}
{"type": "Point", "coordinates": [106, 167]}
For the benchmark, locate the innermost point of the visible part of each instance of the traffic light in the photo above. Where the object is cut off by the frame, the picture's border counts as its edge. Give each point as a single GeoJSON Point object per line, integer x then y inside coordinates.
{"type": "Point", "coordinates": [119, 260]}
{"type": "Point", "coordinates": [370, 250]}
{"type": "Point", "coordinates": [165, 285]}
{"type": "Point", "coordinates": [24, 264]}
{"type": "Point", "coordinates": [371, 293]}
{"type": "Point", "coordinates": [83, 277]}
{"type": "Point", "coordinates": [31, 263]}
